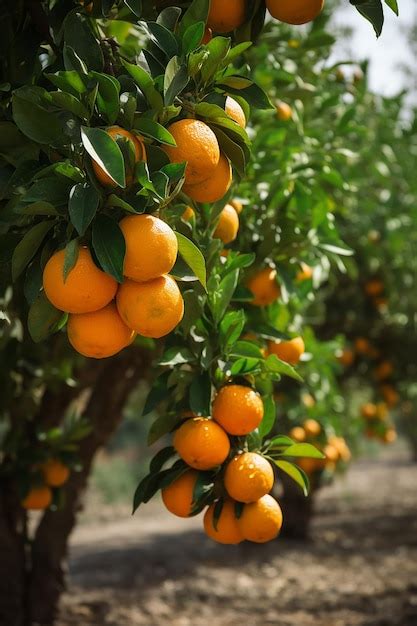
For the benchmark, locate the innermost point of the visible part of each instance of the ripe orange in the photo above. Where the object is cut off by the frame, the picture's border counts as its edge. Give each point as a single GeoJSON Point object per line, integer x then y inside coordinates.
{"type": "Point", "coordinates": [99, 334]}
{"type": "Point", "coordinates": [295, 11]}
{"type": "Point", "coordinates": [116, 133]}
{"type": "Point", "coordinates": [389, 436]}
{"type": "Point", "coordinates": [384, 370]}
{"type": "Point", "coordinates": [308, 400]}
{"type": "Point", "coordinates": [284, 111]}
{"type": "Point", "coordinates": [237, 205]}
{"type": "Point", "coordinates": [238, 409]}
{"type": "Point", "coordinates": [368, 410]}
{"type": "Point", "coordinates": [346, 357]}
{"type": "Point", "coordinates": [382, 411]}
{"type": "Point", "coordinates": [391, 396]}
{"type": "Point", "coordinates": [248, 477]}
{"type": "Point", "coordinates": [264, 287]}
{"type": "Point", "coordinates": [87, 288]}
{"type": "Point", "coordinates": [331, 453]}
{"type": "Point", "coordinates": [151, 247]}
{"type": "Point", "coordinates": [201, 443]}
{"type": "Point", "coordinates": [227, 530]}
{"type": "Point", "coordinates": [198, 146]}
{"type": "Point", "coordinates": [288, 351]}
{"type": "Point", "coordinates": [55, 473]}
{"type": "Point", "coordinates": [341, 446]}
{"type": "Point", "coordinates": [235, 111]}
{"type": "Point", "coordinates": [363, 345]}
{"type": "Point", "coordinates": [224, 17]}
{"type": "Point", "coordinates": [228, 225]}
{"type": "Point", "coordinates": [38, 499]}
{"type": "Point", "coordinates": [178, 496]}
{"type": "Point", "coordinates": [189, 214]}
{"type": "Point", "coordinates": [261, 521]}
{"type": "Point", "coordinates": [312, 428]}
{"type": "Point", "coordinates": [298, 434]}
{"type": "Point", "coordinates": [305, 273]}
{"type": "Point", "coordinates": [215, 186]}
{"type": "Point", "coordinates": [374, 287]}
{"type": "Point", "coordinates": [152, 309]}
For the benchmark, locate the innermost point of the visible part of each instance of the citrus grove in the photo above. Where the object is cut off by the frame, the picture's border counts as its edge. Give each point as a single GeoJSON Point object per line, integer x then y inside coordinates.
{"type": "Point", "coordinates": [132, 140]}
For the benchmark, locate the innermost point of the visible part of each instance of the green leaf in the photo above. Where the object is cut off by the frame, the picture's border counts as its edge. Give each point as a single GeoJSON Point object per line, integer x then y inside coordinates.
{"type": "Point", "coordinates": [108, 96]}
{"type": "Point", "coordinates": [200, 395]}
{"type": "Point", "coordinates": [71, 255]}
{"type": "Point", "coordinates": [33, 281]}
{"type": "Point", "coordinates": [106, 152]}
{"type": "Point", "coordinates": [161, 458]}
{"type": "Point", "coordinates": [218, 49]}
{"type": "Point", "coordinates": [43, 318]}
{"type": "Point", "coordinates": [78, 35]}
{"type": "Point", "coordinates": [176, 356]}
{"type": "Point", "coordinates": [83, 203]}
{"type": "Point", "coordinates": [246, 349]}
{"type": "Point", "coordinates": [296, 473]}
{"type": "Point", "coordinates": [275, 365]}
{"type": "Point", "coordinates": [393, 5]}
{"type": "Point", "coordinates": [193, 257]}
{"type": "Point", "coordinates": [145, 83]}
{"type": "Point", "coordinates": [163, 38]}
{"type": "Point", "coordinates": [135, 6]}
{"type": "Point", "coordinates": [152, 129]}
{"type": "Point", "coordinates": [28, 246]}
{"type": "Point", "coordinates": [371, 10]}
{"type": "Point", "coordinates": [52, 189]}
{"type": "Point", "coordinates": [231, 327]}
{"type": "Point", "coordinates": [162, 426]}
{"type": "Point", "coordinates": [269, 417]}
{"type": "Point", "coordinates": [68, 102]}
{"type": "Point", "coordinates": [71, 82]}
{"type": "Point", "coordinates": [303, 450]}
{"type": "Point", "coordinates": [252, 93]}
{"type": "Point", "coordinates": [109, 246]}
{"type": "Point", "coordinates": [192, 37]}
{"type": "Point", "coordinates": [33, 119]}
{"type": "Point", "coordinates": [158, 392]}
{"type": "Point", "coordinates": [220, 299]}
{"type": "Point", "coordinates": [175, 80]}
{"type": "Point", "coordinates": [197, 12]}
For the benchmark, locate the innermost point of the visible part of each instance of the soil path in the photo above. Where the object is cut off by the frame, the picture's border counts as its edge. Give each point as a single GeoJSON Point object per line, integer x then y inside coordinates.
{"type": "Point", "coordinates": [359, 568]}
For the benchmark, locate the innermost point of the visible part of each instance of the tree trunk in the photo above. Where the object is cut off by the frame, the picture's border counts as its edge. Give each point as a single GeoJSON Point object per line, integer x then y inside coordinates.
{"type": "Point", "coordinates": [32, 577]}
{"type": "Point", "coordinates": [104, 409]}
{"type": "Point", "coordinates": [297, 509]}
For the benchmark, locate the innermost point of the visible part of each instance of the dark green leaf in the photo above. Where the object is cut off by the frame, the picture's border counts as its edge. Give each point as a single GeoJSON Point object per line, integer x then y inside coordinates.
{"type": "Point", "coordinates": [71, 255]}
{"type": "Point", "coordinates": [106, 152]}
{"type": "Point", "coordinates": [200, 395]}
{"type": "Point", "coordinates": [82, 207]}
{"type": "Point", "coordinates": [28, 246]}
{"type": "Point", "coordinates": [296, 473]}
{"type": "Point", "coordinates": [193, 257]}
{"type": "Point", "coordinates": [109, 246]}
{"type": "Point", "coordinates": [43, 318]}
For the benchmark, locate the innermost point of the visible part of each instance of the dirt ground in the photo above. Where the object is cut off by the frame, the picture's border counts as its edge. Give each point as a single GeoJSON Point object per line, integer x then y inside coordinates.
{"type": "Point", "coordinates": [359, 568]}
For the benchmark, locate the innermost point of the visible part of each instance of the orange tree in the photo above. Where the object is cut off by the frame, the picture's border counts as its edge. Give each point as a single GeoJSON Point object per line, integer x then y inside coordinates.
{"type": "Point", "coordinates": [122, 129]}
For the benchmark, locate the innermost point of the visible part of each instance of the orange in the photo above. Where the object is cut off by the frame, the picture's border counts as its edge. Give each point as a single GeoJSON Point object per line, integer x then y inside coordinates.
{"type": "Point", "coordinates": [215, 186]}
{"type": "Point", "coordinates": [298, 434]}
{"type": "Point", "coordinates": [227, 527]}
{"type": "Point", "coordinates": [55, 473]}
{"type": "Point", "coordinates": [202, 443]}
{"type": "Point", "coordinates": [341, 446]}
{"type": "Point", "coordinates": [368, 410]}
{"type": "Point", "coordinates": [151, 247]}
{"type": "Point", "coordinates": [99, 334]}
{"type": "Point", "coordinates": [288, 351]}
{"type": "Point", "coordinates": [198, 146]}
{"type": "Point", "coordinates": [152, 309]}
{"type": "Point", "coordinates": [362, 345]}
{"type": "Point", "coordinates": [331, 453]}
{"type": "Point", "coordinates": [374, 287]}
{"type": "Point", "coordinates": [238, 409]}
{"type": "Point", "coordinates": [391, 396]}
{"type": "Point", "coordinates": [189, 214]}
{"type": "Point", "coordinates": [261, 521]}
{"type": "Point", "coordinates": [87, 288]}
{"type": "Point", "coordinates": [178, 496]}
{"type": "Point", "coordinates": [305, 273]}
{"type": "Point", "coordinates": [284, 111]}
{"type": "Point", "coordinates": [312, 428]}
{"type": "Point", "coordinates": [116, 133]}
{"type": "Point", "coordinates": [38, 499]}
{"type": "Point", "coordinates": [237, 205]}
{"type": "Point", "coordinates": [308, 400]}
{"type": "Point", "coordinates": [381, 411]}
{"type": "Point", "coordinates": [346, 357]}
{"type": "Point", "coordinates": [264, 287]}
{"type": "Point", "coordinates": [295, 11]}
{"type": "Point", "coordinates": [226, 16]}
{"type": "Point", "coordinates": [228, 225]}
{"type": "Point", "coordinates": [389, 436]}
{"type": "Point", "coordinates": [384, 370]}
{"type": "Point", "coordinates": [235, 111]}
{"type": "Point", "coordinates": [248, 477]}
{"type": "Point", "coordinates": [208, 35]}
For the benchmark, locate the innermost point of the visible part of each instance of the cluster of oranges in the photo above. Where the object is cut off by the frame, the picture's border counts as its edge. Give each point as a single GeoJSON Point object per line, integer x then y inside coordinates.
{"type": "Point", "coordinates": [377, 423]}
{"type": "Point", "coordinates": [227, 16]}
{"type": "Point", "coordinates": [242, 480]}
{"type": "Point", "coordinates": [104, 316]}
{"type": "Point", "coordinates": [53, 474]}
{"type": "Point", "coordinates": [335, 449]}
{"type": "Point", "coordinates": [375, 289]}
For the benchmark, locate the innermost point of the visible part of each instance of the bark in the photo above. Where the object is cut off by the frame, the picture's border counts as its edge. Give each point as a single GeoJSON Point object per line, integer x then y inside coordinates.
{"type": "Point", "coordinates": [111, 390]}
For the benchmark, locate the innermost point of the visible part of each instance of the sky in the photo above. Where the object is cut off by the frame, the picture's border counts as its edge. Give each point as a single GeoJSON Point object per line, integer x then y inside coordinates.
{"type": "Point", "coordinates": [385, 53]}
